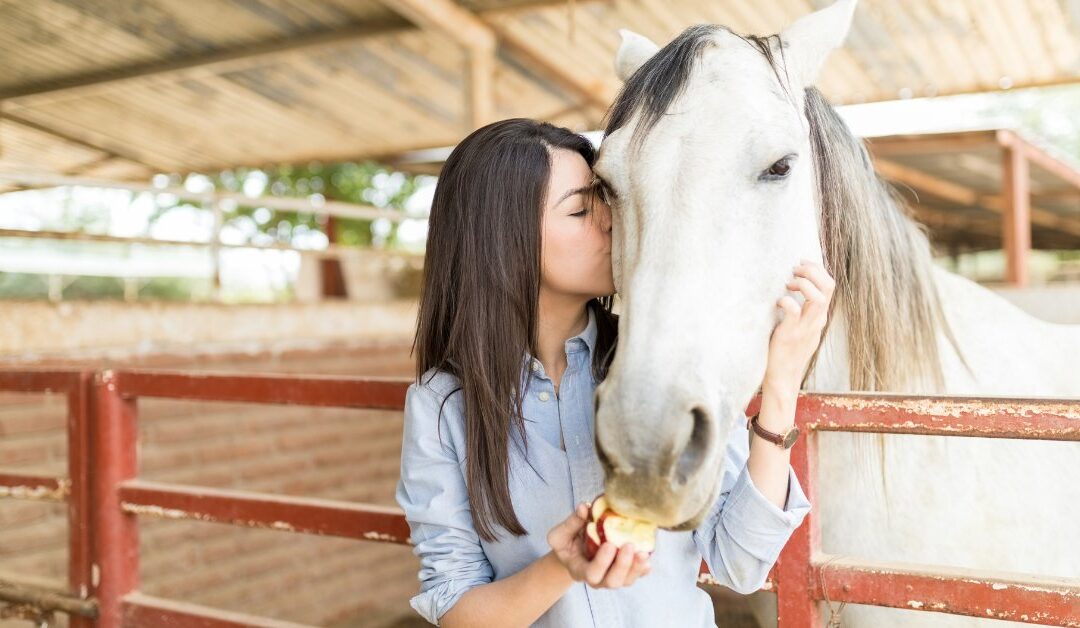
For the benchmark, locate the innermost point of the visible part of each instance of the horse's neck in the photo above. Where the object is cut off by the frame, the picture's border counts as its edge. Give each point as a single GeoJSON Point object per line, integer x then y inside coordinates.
{"type": "Point", "coordinates": [1026, 356]}
{"type": "Point", "coordinates": [831, 372]}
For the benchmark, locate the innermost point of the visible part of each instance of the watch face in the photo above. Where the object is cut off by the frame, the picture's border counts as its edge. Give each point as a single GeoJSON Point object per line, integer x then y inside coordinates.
{"type": "Point", "coordinates": [791, 437]}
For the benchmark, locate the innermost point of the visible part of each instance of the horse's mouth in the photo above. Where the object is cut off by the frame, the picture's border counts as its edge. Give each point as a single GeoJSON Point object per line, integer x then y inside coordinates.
{"type": "Point", "coordinates": [693, 522]}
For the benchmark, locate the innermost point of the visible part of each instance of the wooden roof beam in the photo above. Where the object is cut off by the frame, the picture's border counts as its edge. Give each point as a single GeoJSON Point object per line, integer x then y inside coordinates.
{"type": "Point", "coordinates": [450, 18]}
{"type": "Point", "coordinates": [894, 145]}
{"type": "Point", "coordinates": [472, 34]}
{"type": "Point", "coordinates": [962, 195]}
{"type": "Point", "coordinates": [223, 60]}
{"type": "Point", "coordinates": [199, 65]}
{"type": "Point", "coordinates": [1040, 157]}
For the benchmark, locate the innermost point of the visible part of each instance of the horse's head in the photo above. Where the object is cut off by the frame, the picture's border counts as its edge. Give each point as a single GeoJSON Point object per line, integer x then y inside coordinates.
{"type": "Point", "coordinates": [708, 159]}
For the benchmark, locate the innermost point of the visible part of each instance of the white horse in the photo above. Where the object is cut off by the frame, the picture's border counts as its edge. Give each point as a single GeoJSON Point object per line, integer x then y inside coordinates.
{"type": "Point", "coordinates": [726, 167]}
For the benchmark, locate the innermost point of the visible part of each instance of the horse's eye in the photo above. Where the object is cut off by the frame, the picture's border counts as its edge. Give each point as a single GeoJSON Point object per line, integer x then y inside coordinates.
{"type": "Point", "coordinates": [779, 170]}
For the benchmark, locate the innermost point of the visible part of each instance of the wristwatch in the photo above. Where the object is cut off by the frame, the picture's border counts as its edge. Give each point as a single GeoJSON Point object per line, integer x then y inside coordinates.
{"type": "Point", "coordinates": [784, 441]}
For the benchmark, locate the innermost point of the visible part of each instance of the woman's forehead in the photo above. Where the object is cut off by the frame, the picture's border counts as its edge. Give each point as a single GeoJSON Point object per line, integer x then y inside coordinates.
{"type": "Point", "coordinates": [569, 171]}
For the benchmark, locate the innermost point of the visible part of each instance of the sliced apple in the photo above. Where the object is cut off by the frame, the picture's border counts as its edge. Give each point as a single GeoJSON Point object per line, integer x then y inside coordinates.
{"type": "Point", "coordinates": [606, 525]}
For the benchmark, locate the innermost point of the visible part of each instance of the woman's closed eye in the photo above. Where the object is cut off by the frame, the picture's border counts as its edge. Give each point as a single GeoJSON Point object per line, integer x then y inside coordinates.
{"type": "Point", "coordinates": [582, 212]}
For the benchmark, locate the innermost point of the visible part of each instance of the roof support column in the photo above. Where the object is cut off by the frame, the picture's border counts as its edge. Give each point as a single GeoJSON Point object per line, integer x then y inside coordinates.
{"type": "Point", "coordinates": [1016, 219]}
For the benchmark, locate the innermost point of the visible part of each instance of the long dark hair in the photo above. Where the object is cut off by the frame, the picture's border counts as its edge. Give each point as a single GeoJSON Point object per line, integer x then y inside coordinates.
{"type": "Point", "coordinates": [480, 296]}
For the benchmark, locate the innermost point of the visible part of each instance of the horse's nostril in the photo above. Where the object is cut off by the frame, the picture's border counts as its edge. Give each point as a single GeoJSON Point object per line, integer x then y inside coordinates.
{"type": "Point", "coordinates": [697, 447]}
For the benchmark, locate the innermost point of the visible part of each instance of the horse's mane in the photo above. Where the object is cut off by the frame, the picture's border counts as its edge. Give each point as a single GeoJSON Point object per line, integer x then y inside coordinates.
{"type": "Point", "coordinates": [879, 257]}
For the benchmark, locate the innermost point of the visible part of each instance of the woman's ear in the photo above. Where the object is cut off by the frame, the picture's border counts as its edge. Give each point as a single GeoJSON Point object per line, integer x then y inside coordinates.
{"type": "Point", "coordinates": [633, 52]}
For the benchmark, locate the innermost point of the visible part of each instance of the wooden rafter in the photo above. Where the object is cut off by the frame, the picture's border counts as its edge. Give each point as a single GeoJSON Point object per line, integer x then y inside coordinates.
{"type": "Point", "coordinates": [963, 195]}
{"type": "Point", "coordinates": [198, 65]}
{"type": "Point", "coordinates": [472, 34]}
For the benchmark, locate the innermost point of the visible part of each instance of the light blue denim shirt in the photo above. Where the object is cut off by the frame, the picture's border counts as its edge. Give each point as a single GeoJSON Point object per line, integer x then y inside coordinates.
{"type": "Point", "coordinates": [740, 538]}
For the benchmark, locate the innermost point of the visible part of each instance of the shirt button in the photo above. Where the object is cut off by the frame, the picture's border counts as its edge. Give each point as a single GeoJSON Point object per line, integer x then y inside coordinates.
{"type": "Point", "coordinates": [535, 365]}
{"type": "Point", "coordinates": [544, 396]}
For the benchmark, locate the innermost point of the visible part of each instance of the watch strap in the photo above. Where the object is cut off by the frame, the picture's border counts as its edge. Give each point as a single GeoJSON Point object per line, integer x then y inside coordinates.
{"type": "Point", "coordinates": [772, 437]}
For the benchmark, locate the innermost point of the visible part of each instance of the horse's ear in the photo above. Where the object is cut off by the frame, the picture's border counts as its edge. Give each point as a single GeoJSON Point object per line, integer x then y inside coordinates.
{"type": "Point", "coordinates": [809, 40]}
{"type": "Point", "coordinates": [633, 52]}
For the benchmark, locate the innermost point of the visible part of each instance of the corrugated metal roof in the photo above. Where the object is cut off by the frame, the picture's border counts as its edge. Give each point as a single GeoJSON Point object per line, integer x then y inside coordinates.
{"type": "Point", "coordinates": [122, 89]}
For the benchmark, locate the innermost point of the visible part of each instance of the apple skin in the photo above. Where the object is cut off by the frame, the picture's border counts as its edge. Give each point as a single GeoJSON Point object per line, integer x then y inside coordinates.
{"type": "Point", "coordinates": [592, 541]}
{"type": "Point", "coordinates": [596, 528]}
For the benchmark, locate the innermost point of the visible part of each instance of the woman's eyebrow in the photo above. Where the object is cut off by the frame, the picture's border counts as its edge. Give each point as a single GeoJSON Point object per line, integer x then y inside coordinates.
{"type": "Point", "coordinates": [572, 192]}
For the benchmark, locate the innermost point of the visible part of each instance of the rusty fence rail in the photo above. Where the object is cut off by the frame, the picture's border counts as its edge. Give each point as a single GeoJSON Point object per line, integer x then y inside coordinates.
{"type": "Point", "coordinates": [103, 418]}
{"type": "Point", "coordinates": [40, 602]}
{"type": "Point", "coordinates": [804, 574]}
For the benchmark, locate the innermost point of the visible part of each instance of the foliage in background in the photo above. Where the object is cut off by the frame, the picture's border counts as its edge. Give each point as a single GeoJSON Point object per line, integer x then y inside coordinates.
{"type": "Point", "coordinates": [366, 183]}
{"type": "Point", "coordinates": [1050, 115]}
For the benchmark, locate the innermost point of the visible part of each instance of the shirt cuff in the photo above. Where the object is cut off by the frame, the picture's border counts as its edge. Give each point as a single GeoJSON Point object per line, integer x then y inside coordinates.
{"type": "Point", "coordinates": [755, 523]}
{"type": "Point", "coordinates": [433, 603]}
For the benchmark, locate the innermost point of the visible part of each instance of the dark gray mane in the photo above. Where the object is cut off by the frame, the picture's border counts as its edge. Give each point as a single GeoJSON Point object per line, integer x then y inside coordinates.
{"type": "Point", "coordinates": [661, 79]}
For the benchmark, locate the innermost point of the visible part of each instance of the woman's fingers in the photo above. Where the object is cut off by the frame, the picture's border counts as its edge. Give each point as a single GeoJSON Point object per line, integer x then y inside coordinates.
{"type": "Point", "coordinates": [791, 308]}
{"type": "Point", "coordinates": [620, 568]}
{"type": "Point", "coordinates": [577, 519]}
{"type": "Point", "coordinates": [817, 274]}
{"type": "Point", "coordinates": [598, 566]}
{"type": "Point", "coordinates": [809, 290]}
{"type": "Point", "coordinates": [639, 568]}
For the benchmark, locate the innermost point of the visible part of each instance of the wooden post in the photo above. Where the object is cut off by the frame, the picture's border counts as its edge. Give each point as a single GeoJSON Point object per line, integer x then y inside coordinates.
{"type": "Point", "coordinates": [1016, 219]}
{"type": "Point", "coordinates": [215, 251]}
{"type": "Point", "coordinates": [332, 275]}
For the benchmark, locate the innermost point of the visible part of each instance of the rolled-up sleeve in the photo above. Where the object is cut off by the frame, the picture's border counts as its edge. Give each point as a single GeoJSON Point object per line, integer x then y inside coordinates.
{"type": "Point", "coordinates": [743, 533]}
{"type": "Point", "coordinates": [431, 490]}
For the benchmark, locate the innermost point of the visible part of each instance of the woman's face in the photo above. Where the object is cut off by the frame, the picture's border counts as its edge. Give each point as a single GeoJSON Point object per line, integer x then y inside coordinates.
{"type": "Point", "coordinates": [575, 231]}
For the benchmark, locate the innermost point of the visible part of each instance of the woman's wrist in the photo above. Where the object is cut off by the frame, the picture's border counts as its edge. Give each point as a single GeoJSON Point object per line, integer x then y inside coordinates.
{"type": "Point", "coordinates": [778, 402]}
{"type": "Point", "coordinates": [780, 388]}
{"type": "Point", "coordinates": [557, 569]}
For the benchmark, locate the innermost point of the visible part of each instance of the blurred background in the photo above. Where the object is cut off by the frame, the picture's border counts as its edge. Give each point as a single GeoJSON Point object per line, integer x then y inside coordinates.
{"type": "Point", "coordinates": [243, 185]}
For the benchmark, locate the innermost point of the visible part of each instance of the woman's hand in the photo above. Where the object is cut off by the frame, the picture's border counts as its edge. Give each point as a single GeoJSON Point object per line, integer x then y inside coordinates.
{"type": "Point", "coordinates": [611, 568]}
{"type": "Point", "coordinates": [796, 338]}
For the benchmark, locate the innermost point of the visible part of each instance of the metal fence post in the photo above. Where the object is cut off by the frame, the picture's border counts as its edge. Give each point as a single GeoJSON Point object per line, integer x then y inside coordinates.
{"type": "Point", "coordinates": [795, 604]}
{"type": "Point", "coordinates": [80, 533]}
{"type": "Point", "coordinates": [115, 570]}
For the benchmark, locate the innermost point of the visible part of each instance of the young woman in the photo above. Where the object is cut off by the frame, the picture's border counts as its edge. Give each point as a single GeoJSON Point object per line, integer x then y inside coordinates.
{"type": "Point", "coordinates": [515, 330]}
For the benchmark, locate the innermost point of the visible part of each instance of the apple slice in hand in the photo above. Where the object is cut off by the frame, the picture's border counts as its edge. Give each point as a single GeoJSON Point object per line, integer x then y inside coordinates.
{"type": "Point", "coordinates": [605, 525]}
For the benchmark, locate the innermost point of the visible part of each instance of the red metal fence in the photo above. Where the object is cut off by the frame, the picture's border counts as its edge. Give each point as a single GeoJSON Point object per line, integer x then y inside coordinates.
{"type": "Point", "coordinates": [104, 506]}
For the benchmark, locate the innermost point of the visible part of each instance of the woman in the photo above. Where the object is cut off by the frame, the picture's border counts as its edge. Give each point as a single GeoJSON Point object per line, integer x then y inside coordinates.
{"type": "Point", "coordinates": [515, 329]}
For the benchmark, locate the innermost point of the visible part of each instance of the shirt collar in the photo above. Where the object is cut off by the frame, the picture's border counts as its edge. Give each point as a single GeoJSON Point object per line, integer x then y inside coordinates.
{"type": "Point", "coordinates": [585, 340]}
{"type": "Point", "coordinates": [588, 336]}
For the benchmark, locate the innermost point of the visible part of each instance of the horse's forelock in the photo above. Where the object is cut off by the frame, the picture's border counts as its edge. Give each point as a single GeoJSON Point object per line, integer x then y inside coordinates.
{"type": "Point", "coordinates": [659, 81]}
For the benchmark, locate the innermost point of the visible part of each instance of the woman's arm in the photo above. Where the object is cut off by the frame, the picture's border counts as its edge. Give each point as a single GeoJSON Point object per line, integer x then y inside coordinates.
{"type": "Point", "coordinates": [517, 600]}
{"type": "Point", "coordinates": [792, 345]}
